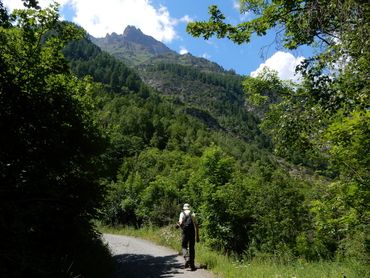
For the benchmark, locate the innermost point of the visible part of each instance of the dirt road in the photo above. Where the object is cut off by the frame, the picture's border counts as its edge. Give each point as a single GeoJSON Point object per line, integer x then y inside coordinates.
{"type": "Point", "coordinates": [138, 258]}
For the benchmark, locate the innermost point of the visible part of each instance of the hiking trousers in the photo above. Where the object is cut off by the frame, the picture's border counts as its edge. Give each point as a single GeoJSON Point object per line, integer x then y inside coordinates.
{"type": "Point", "coordinates": [188, 247]}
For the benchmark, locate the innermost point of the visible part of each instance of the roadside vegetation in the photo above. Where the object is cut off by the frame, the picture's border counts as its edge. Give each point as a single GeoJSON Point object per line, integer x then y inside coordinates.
{"type": "Point", "coordinates": [263, 265]}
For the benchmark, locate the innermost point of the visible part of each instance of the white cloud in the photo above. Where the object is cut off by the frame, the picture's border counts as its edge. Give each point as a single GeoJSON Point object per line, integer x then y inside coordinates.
{"type": "Point", "coordinates": [206, 56]}
{"type": "Point", "coordinates": [114, 15]}
{"type": "Point", "coordinates": [183, 50]}
{"type": "Point", "coordinates": [236, 5]}
{"type": "Point", "coordinates": [243, 16]}
{"type": "Point", "coordinates": [13, 4]}
{"type": "Point", "coordinates": [284, 63]}
{"type": "Point", "coordinates": [246, 16]}
{"type": "Point", "coordinates": [100, 18]}
{"type": "Point", "coordinates": [186, 19]}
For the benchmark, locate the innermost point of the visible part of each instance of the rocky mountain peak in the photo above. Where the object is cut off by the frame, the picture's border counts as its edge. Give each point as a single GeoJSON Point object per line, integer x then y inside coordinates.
{"type": "Point", "coordinates": [132, 40]}
{"type": "Point", "coordinates": [132, 32]}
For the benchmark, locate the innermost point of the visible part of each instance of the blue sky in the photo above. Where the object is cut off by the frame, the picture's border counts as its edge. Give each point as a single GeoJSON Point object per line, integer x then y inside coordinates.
{"type": "Point", "coordinates": [166, 21]}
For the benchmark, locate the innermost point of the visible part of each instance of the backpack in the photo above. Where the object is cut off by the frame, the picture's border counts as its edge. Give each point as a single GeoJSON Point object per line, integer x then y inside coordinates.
{"type": "Point", "coordinates": [188, 222]}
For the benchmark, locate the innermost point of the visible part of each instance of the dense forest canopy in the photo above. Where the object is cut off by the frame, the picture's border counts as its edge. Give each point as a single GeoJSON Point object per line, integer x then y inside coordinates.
{"type": "Point", "coordinates": [84, 138]}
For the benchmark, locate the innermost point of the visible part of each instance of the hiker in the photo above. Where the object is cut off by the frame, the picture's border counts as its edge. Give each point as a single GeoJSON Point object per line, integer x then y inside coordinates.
{"type": "Point", "coordinates": [190, 234]}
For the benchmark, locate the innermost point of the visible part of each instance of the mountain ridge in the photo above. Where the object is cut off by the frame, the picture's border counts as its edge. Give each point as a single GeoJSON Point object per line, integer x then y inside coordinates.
{"type": "Point", "coordinates": [132, 46]}
{"type": "Point", "coordinates": [136, 48]}
{"type": "Point", "coordinates": [197, 82]}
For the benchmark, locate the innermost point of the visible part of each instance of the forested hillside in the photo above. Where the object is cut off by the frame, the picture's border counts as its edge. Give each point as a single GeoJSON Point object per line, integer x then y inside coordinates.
{"type": "Point", "coordinates": [88, 137]}
{"type": "Point", "coordinates": [191, 147]}
{"type": "Point", "coordinates": [145, 128]}
{"type": "Point", "coordinates": [195, 81]}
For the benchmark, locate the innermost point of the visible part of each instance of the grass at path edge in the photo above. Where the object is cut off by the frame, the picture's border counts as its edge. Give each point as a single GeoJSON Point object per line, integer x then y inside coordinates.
{"type": "Point", "coordinates": [263, 266]}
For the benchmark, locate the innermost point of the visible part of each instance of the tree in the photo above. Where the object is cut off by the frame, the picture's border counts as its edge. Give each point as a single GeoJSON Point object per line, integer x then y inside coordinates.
{"type": "Point", "coordinates": [334, 80]}
{"type": "Point", "coordinates": [341, 28]}
{"type": "Point", "coordinates": [326, 116]}
{"type": "Point", "coordinates": [205, 189]}
{"type": "Point", "coordinates": [303, 22]}
{"type": "Point", "coordinates": [287, 117]}
{"type": "Point", "coordinates": [49, 156]}
{"type": "Point", "coordinates": [4, 17]}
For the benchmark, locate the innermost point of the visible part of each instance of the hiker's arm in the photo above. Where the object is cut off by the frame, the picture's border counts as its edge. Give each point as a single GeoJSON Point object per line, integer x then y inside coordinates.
{"type": "Point", "coordinates": [178, 225]}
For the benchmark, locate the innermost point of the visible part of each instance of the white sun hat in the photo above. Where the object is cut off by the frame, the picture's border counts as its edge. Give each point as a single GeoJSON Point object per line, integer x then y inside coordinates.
{"type": "Point", "coordinates": [186, 207]}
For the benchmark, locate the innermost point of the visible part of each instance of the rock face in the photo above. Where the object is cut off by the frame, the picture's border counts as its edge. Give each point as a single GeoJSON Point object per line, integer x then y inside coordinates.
{"type": "Point", "coordinates": [134, 35]}
{"type": "Point", "coordinates": [133, 46]}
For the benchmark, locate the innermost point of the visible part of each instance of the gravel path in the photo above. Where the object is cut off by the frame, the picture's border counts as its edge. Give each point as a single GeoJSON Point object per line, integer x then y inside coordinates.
{"type": "Point", "coordinates": [138, 258]}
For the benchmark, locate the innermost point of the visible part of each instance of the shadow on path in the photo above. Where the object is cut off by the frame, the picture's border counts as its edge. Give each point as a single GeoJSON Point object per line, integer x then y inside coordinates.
{"type": "Point", "coordinates": [145, 266]}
